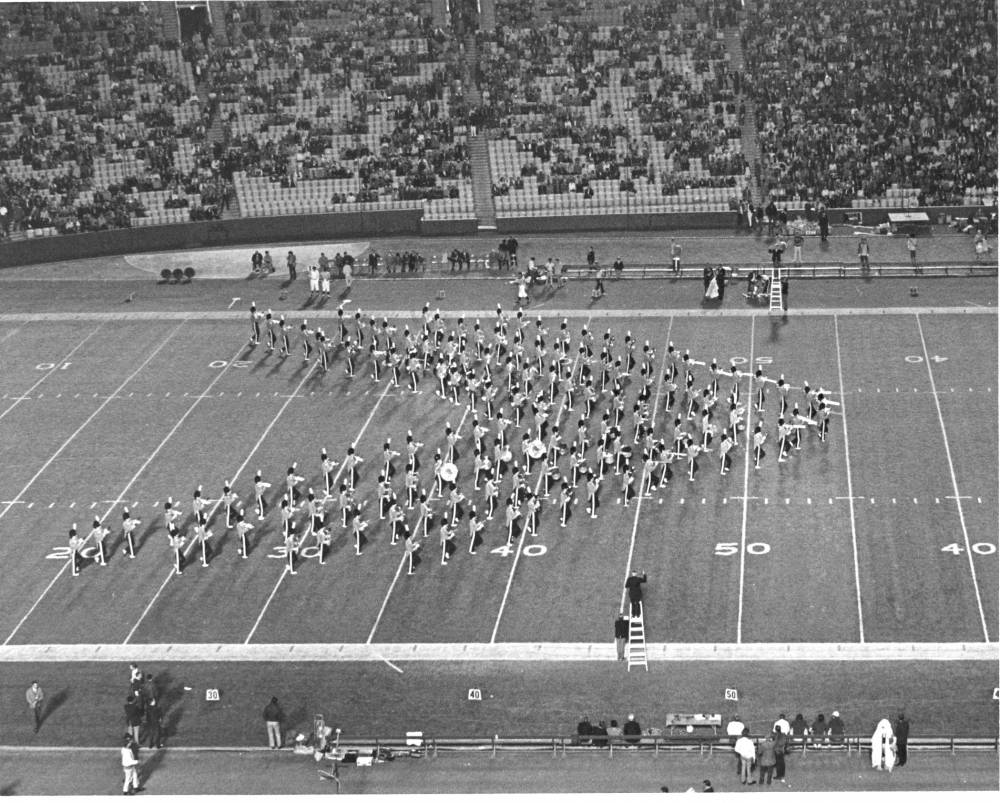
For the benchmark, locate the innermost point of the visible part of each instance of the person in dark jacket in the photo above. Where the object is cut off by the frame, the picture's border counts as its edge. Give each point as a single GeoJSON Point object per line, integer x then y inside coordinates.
{"type": "Point", "coordinates": [632, 731]}
{"type": "Point", "coordinates": [634, 587]}
{"type": "Point", "coordinates": [273, 717]}
{"type": "Point", "coordinates": [154, 723]}
{"type": "Point", "coordinates": [780, 746]}
{"type": "Point", "coordinates": [621, 635]}
{"type": "Point", "coordinates": [133, 717]}
{"type": "Point", "coordinates": [901, 730]}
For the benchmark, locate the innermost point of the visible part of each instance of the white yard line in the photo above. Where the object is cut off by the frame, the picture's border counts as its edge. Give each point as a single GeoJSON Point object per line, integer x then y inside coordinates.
{"type": "Point", "coordinates": [321, 314]}
{"type": "Point", "coordinates": [746, 490]}
{"type": "Point", "coordinates": [638, 501]}
{"type": "Point", "coordinates": [59, 451]}
{"type": "Point", "coordinates": [503, 651]}
{"type": "Point", "coordinates": [55, 367]}
{"type": "Point", "coordinates": [232, 480]}
{"type": "Point", "coordinates": [524, 527]}
{"type": "Point", "coordinates": [336, 476]}
{"type": "Point", "coordinates": [399, 569]}
{"type": "Point", "coordinates": [850, 485]}
{"type": "Point", "coordinates": [954, 482]}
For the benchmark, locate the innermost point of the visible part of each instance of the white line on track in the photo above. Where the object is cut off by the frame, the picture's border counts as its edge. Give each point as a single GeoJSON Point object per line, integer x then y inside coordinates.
{"type": "Point", "coordinates": [364, 426]}
{"type": "Point", "coordinates": [504, 651]}
{"type": "Point", "coordinates": [746, 493]}
{"type": "Point", "coordinates": [638, 501]}
{"type": "Point", "coordinates": [850, 486]}
{"type": "Point", "coordinates": [52, 370]}
{"type": "Point", "coordinates": [736, 312]}
{"type": "Point", "coordinates": [218, 501]}
{"type": "Point", "coordinates": [954, 483]}
{"type": "Point", "coordinates": [66, 443]}
{"type": "Point", "coordinates": [524, 528]}
{"type": "Point", "coordinates": [399, 569]}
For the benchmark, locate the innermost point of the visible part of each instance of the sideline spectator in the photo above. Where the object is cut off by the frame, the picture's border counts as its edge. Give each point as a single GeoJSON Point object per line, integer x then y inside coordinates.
{"type": "Point", "coordinates": [819, 731]}
{"type": "Point", "coordinates": [130, 766]}
{"type": "Point", "coordinates": [799, 729]}
{"type": "Point", "coordinates": [902, 732]}
{"type": "Point", "coordinates": [621, 635]}
{"type": "Point", "coordinates": [746, 751]}
{"type": "Point", "coordinates": [836, 729]}
{"type": "Point", "coordinates": [583, 730]}
{"type": "Point", "coordinates": [133, 716]}
{"type": "Point", "coordinates": [273, 719]}
{"type": "Point", "coordinates": [780, 748]}
{"type": "Point", "coordinates": [734, 730]}
{"type": "Point", "coordinates": [35, 696]}
{"type": "Point", "coordinates": [632, 731]}
{"type": "Point", "coordinates": [766, 759]}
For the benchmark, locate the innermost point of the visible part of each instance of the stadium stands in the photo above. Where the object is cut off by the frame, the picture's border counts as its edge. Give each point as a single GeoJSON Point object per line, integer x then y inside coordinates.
{"type": "Point", "coordinates": [583, 108]}
{"type": "Point", "coordinates": [894, 105]}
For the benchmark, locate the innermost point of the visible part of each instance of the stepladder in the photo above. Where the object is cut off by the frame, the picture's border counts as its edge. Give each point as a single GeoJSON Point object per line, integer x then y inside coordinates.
{"type": "Point", "coordinates": [775, 294]}
{"type": "Point", "coordinates": [635, 654]}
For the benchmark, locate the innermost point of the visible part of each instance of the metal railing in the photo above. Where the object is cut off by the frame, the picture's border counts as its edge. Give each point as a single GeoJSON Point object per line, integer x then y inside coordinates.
{"type": "Point", "coordinates": [807, 270]}
{"type": "Point", "coordinates": [558, 746]}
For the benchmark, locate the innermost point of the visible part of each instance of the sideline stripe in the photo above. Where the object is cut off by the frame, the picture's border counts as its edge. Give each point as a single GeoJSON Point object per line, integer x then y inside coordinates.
{"type": "Point", "coordinates": [954, 482]}
{"type": "Point", "coordinates": [501, 651]}
{"type": "Point", "coordinates": [240, 315]}
{"type": "Point", "coordinates": [850, 485]}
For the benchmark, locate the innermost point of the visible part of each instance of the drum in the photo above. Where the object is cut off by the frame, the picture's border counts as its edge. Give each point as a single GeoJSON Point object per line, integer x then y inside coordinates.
{"type": "Point", "coordinates": [536, 449]}
{"type": "Point", "coordinates": [449, 471]}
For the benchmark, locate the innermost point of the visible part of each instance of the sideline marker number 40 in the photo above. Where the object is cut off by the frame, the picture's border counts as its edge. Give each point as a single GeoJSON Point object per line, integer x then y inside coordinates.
{"type": "Point", "coordinates": [476, 695]}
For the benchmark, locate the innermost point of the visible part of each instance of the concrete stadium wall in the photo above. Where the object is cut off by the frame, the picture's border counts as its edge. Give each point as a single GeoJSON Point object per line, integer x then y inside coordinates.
{"type": "Point", "coordinates": [355, 225]}
{"type": "Point", "coordinates": [210, 234]}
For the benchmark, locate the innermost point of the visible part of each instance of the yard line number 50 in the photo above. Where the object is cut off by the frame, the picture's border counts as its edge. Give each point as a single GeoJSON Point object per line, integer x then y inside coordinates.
{"type": "Point", "coordinates": [727, 549]}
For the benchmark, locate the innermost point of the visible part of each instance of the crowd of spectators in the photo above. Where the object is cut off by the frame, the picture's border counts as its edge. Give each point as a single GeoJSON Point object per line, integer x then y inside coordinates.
{"type": "Point", "coordinates": [400, 100]}
{"type": "Point", "coordinates": [97, 109]}
{"type": "Point", "coordinates": [902, 93]}
{"type": "Point", "coordinates": [593, 101]}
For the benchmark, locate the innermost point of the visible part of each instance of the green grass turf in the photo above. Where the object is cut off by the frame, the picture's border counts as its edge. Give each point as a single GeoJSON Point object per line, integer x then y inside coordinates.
{"type": "Point", "coordinates": [802, 589]}
{"type": "Point", "coordinates": [169, 772]}
{"type": "Point", "coordinates": [519, 699]}
{"type": "Point", "coordinates": [86, 295]}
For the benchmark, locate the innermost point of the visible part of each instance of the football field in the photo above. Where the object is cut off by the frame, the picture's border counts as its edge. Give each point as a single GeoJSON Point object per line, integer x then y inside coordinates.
{"type": "Point", "coordinates": [886, 533]}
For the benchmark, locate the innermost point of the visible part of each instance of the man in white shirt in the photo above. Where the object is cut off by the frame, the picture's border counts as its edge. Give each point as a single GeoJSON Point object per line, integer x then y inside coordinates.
{"type": "Point", "coordinates": [734, 730]}
{"type": "Point", "coordinates": [130, 766]}
{"type": "Point", "coordinates": [747, 751]}
{"type": "Point", "coordinates": [781, 723]}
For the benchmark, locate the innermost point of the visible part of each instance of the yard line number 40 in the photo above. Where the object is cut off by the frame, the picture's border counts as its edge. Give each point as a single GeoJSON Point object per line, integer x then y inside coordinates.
{"type": "Point", "coordinates": [982, 548]}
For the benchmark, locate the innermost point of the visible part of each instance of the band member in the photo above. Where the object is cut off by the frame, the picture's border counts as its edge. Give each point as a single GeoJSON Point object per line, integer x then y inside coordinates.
{"type": "Point", "coordinates": [75, 545]}
{"type": "Point", "coordinates": [128, 533]}
{"type": "Point", "coordinates": [242, 528]}
{"type": "Point", "coordinates": [98, 533]}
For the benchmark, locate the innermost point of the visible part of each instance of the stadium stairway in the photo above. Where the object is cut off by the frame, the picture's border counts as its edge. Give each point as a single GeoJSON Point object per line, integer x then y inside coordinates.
{"type": "Point", "coordinates": [487, 15]}
{"type": "Point", "coordinates": [482, 182]}
{"type": "Point", "coordinates": [751, 148]}
{"type": "Point", "coordinates": [470, 64]}
{"type": "Point", "coordinates": [169, 23]}
{"type": "Point", "coordinates": [217, 11]}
